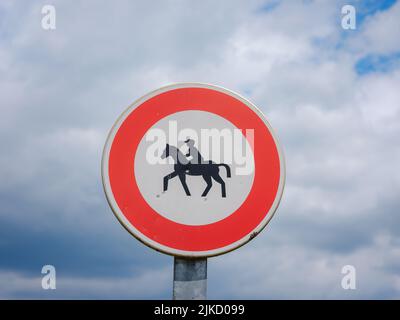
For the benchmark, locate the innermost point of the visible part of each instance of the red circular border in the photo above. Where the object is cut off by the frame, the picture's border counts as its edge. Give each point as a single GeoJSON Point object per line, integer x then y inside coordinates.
{"type": "Point", "coordinates": [186, 237]}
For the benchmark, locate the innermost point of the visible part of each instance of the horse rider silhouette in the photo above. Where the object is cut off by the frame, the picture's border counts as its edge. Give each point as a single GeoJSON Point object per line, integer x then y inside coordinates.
{"type": "Point", "coordinates": [182, 167]}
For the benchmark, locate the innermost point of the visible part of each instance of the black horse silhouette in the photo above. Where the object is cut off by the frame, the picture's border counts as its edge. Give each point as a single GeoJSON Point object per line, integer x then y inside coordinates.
{"type": "Point", "coordinates": [182, 167]}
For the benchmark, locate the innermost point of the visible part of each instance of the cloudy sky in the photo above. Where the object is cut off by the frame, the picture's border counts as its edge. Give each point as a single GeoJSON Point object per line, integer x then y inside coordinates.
{"type": "Point", "coordinates": [331, 94]}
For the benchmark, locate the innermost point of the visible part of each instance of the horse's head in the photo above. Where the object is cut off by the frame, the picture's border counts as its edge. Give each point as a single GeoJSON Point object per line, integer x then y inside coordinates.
{"type": "Point", "coordinates": [165, 153]}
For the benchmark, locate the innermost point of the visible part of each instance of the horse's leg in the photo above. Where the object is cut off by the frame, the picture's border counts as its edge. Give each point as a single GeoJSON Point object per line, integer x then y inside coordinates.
{"type": "Point", "coordinates": [182, 177]}
{"type": "Point", "coordinates": [207, 179]}
{"type": "Point", "coordinates": [167, 177]}
{"type": "Point", "coordinates": [218, 178]}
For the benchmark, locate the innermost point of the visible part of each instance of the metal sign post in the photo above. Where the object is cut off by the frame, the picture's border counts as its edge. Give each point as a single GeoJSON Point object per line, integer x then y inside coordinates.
{"type": "Point", "coordinates": [190, 279]}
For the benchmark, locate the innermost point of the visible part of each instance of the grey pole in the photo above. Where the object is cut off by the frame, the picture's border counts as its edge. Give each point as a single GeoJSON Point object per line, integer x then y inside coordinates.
{"type": "Point", "coordinates": [190, 279]}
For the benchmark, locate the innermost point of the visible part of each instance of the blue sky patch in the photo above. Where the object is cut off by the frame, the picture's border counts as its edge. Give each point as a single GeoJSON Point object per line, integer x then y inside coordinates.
{"type": "Point", "coordinates": [377, 63]}
{"type": "Point", "coordinates": [366, 8]}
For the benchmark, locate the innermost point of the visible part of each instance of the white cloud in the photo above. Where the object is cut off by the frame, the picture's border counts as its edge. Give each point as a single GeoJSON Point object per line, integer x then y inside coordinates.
{"type": "Point", "coordinates": [15, 285]}
{"type": "Point", "coordinates": [294, 272]}
{"type": "Point", "coordinates": [379, 33]}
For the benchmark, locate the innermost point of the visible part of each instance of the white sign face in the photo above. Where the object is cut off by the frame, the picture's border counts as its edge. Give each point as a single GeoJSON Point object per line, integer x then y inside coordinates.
{"type": "Point", "coordinates": [215, 143]}
{"type": "Point", "coordinates": [193, 170]}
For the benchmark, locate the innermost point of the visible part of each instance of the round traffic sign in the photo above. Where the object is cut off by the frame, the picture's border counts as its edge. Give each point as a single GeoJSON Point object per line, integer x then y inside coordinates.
{"type": "Point", "coordinates": [193, 170]}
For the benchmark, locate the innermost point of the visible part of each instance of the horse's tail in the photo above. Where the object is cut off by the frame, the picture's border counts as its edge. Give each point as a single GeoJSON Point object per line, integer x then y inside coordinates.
{"type": "Point", "coordinates": [228, 169]}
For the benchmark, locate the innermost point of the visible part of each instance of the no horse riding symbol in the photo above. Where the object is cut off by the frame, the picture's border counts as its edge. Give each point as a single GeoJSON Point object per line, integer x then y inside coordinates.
{"type": "Point", "coordinates": [195, 167]}
{"type": "Point", "coordinates": [193, 170]}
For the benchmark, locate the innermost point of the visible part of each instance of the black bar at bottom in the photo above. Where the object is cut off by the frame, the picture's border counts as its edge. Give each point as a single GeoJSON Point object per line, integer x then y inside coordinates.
{"type": "Point", "coordinates": [211, 309]}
